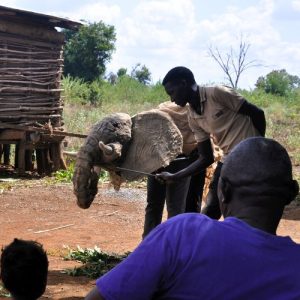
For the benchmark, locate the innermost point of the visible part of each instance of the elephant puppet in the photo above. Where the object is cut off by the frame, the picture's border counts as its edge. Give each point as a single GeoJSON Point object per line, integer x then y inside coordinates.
{"type": "Point", "coordinates": [145, 142]}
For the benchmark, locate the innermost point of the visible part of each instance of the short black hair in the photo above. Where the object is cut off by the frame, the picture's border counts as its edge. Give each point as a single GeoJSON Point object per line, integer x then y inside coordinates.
{"type": "Point", "coordinates": [264, 163]}
{"type": "Point", "coordinates": [24, 269]}
{"type": "Point", "coordinates": [177, 74]}
{"type": "Point", "coordinates": [258, 159]}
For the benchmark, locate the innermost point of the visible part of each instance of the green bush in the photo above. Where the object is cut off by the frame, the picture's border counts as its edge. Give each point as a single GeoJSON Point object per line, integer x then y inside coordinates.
{"type": "Point", "coordinates": [95, 93]}
{"type": "Point", "coordinates": [278, 82]}
{"type": "Point", "coordinates": [95, 262]}
{"type": "Point", "coordinates": [75, 90]}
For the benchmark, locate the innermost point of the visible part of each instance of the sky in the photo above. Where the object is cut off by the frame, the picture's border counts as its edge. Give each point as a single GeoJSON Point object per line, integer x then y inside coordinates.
{"type": "Point", "coordinates": [162, 34]}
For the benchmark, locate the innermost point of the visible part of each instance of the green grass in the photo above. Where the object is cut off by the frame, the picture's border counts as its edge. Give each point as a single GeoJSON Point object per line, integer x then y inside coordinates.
{"type": "Point", "coordinates": [81, 110]}
{"type": "Point", "coordinates": [283, 119]}
{"type": "Point", "coordinates": [95, 262]}
{"type": "Point", "coordinates": [65, 176]}
{"type": "Point", "coordinates": [127, 95]}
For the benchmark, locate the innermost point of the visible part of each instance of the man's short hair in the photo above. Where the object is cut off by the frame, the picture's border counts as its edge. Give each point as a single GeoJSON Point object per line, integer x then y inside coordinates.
{"type": "Point", "coordinates": [177, 74]}
{"type": "Point", "coordinates": [261, 162]}
{"type": "Point", "coordinates": [24, 269]}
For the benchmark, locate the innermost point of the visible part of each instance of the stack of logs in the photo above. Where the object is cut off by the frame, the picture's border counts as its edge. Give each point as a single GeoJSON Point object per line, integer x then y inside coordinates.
{"type": "Point", "coordinates": [30, 75]}
{"type": "Point", "coordinates": [31, 62]}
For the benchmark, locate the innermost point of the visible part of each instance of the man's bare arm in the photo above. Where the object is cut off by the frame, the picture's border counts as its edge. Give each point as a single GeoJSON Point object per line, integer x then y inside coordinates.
{"type": "Point", "coordinates": [205, 159]}
{"type": "Point", "coordinates": [256, 114]}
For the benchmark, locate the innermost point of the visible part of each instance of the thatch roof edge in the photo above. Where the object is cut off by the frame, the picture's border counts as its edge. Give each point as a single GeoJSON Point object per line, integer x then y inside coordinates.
{"type": "Point", "coordinates": [40, 18]}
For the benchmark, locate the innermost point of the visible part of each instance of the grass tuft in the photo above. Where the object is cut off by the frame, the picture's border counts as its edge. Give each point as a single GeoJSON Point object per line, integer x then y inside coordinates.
{"type": "Point", "coordinates": [95, 262]}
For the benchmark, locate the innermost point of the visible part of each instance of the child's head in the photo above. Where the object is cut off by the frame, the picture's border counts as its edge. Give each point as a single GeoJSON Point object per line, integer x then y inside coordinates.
{"type": "Point", "coordinates": [24, 269]}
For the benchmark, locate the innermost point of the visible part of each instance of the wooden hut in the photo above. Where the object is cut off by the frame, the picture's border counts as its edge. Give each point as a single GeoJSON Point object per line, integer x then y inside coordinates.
{"type": "Point", "coordinates": [31, 64]}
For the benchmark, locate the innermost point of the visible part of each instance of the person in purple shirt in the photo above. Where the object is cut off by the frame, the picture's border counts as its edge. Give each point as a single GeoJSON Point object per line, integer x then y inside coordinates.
{"type": "Point", "coordinates": [191, 256]}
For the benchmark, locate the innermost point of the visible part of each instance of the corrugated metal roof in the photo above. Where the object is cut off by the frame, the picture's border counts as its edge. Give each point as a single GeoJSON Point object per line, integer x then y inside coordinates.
{"type": "Point", "coordinates": [33, 17]}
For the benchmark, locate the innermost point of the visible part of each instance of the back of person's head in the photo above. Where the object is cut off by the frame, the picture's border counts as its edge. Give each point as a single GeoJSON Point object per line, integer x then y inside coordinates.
{"type": "Point", "coordinates": [177, 74]}
{"type": "Point", "coordinates": [260, 169]}
{"type": "Point", "coordinates": [24, 269]}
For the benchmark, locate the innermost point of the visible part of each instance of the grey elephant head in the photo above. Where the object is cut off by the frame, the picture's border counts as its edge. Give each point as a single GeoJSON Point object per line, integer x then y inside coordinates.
{"type": "Point", "coordinates": [105, 144]}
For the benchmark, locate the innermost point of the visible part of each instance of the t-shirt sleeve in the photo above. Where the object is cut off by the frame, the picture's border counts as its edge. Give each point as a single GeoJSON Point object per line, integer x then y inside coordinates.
{"type": "Point", "coordinates": [139, 275]}
{"type": "Point", "coordinates": [228, 97]}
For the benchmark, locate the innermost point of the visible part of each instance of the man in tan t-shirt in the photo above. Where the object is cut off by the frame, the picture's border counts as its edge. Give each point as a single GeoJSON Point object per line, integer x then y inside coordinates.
{"type": "Point", "coordinates": [179, 197]}
{"type": "Point", "coordinates": [219, 112]}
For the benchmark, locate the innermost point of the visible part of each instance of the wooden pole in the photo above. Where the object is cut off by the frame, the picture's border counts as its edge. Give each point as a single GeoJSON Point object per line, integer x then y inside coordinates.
{"type": "Point", "coordinates": [28, 160]}
{"type": "Point", "coordinates": [40, 161]}
{"type": "Point", "coordinates": [21, 158]}
{"type": "Point", "coordinates": [6, 154]}
{"type": "Point", "coordinates": [54, 157]}
{"type": "Point", "coordinates": [48, 161]}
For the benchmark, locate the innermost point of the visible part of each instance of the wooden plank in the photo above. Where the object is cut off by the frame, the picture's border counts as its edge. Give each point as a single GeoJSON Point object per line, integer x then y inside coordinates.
{"type": "Point", "coordinates": [33, 110]}
{"type": "Point", "coordinates": [31, 52]}
{"type": "Point", "coordinates": [48, 138]}
{"type": "Point", "coordinates": [30, 101]}
{"type": "Point", "coordinates": [21, 104]}
{"type": "Point", "coordinates": [29, 68]}
{"type": "Point", "coordinates": [25, 89]}
{"type": "Point", "coordinates": [32, 31]}
{"type": "Point", "coordinates": [27, 116]}
{"type": "Point", "coordinates": [37, 76]}
{"type": "Point", "coordinates": [9, 142]}
{"type": "Point", "coordinates": [31, 60]}
{"type": "Point", "coordinates": [43, 130]}
{"type": "Point", "coordinates": [12, 135]}
{"type": "Point", "coordinates": [28, 82]}
{"type": "Point", "coordinates": [19, 41]}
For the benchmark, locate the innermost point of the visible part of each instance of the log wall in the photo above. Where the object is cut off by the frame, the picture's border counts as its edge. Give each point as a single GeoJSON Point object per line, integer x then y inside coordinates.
{"type": "Point", "coordinates": [31, 62]}
{"type": "Point", "coordinates": [31, 65]}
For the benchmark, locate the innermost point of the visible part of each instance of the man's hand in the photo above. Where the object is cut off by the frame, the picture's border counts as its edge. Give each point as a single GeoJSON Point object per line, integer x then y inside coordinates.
{"type": "Point", "coordinates": [165, 177]}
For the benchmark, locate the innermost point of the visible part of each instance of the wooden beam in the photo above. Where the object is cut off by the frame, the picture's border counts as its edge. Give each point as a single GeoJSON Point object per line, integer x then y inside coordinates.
{"type": "Point", "coordinates": [12, 135]}
{"type": "Point", "coordinates": [42, 130]}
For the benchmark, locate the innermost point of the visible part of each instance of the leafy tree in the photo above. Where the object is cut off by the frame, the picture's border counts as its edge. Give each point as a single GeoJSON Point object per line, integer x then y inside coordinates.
{"type": "Point", "coordinates": [278, 82]}
{"type": "Point", "coordinates": [121, 72]}
{"type": "Point", "coordinates": [88, 50]}
{"type": "Point", "coordinates": [294, 81]}
{"type": "Point", "coordinates": [141, 73]}
{"type": "Point", "coordinates": [261, 83]}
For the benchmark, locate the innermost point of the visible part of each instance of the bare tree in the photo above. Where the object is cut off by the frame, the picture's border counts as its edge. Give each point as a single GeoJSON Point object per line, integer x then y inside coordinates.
{"type": "Point", "coordinates": [233, 63]}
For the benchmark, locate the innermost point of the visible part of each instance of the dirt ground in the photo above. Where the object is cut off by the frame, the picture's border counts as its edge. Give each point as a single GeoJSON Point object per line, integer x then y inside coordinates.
{"type": "Point", "coordinates": [114, 222]}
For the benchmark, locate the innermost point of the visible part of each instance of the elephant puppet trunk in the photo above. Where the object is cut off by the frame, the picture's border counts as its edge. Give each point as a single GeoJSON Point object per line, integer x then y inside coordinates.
{"type": "Point", "coordinates": [86, 187]}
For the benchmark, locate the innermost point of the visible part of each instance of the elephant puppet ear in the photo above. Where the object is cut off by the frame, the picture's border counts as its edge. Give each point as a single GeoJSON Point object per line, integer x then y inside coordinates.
{"type": "Point", "coordinates": [156, 141]}
{"type": "Point", "coordinates": [110, 151]}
